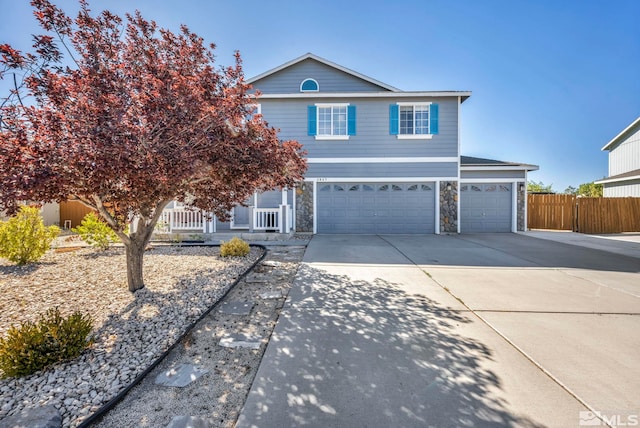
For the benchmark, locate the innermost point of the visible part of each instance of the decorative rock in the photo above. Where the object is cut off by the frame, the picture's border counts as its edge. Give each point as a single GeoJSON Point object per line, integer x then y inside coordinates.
{"type": "Point", "coordinates": [271, 263]}
{"type": "Point", "coordinates": [131, 341]}
{"type": "Point", "coordinates": [236, 308]}
{"type": "Point", "coordinates": [240, 341]}
{"type": "Point", "coordinates": [180, 376]}
{"type": "Point", "coordinates": [40, 417]}
{"type": "Point", "coordinates": [190, 422]}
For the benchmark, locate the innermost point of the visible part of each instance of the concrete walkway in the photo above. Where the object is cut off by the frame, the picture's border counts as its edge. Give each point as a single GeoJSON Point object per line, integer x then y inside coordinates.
{"type": "Point", "coordinates": [626, 244]}
{"type": "Point", "coordinates": [469, 330]}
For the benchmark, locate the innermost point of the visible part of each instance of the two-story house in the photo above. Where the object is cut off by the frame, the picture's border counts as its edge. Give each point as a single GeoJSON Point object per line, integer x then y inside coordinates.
{"type": "Point", "coordinates": [380, 160]}
{"type": "Point", "coordinates": [624, 163]}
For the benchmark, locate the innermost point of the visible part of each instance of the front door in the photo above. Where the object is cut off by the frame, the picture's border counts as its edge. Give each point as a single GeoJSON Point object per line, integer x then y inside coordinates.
{"type": "Point", "coordinates": [240, 216]}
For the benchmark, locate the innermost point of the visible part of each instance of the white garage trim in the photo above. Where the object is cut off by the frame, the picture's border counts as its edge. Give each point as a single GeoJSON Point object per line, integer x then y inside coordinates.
{"type": "Point", "coordinates": [383, 160]}
{"type": "Point", "coordinates": [490, 180]}
{"type": "Point", "coordinates": [380, 179]}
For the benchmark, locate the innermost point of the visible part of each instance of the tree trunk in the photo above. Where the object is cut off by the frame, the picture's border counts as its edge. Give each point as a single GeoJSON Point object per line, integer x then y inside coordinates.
{"type": "Point", "coordinates": [135, 253]}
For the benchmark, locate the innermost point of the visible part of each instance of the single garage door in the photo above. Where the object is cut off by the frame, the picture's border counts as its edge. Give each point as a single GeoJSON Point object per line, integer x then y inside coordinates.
{"type": "Point", "coordinates": [485, 207]}
{"type": "Point", "coordinates": [376, 208]}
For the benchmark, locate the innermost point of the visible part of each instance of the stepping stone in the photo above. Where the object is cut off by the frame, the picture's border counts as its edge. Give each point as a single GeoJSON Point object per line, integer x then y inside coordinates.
{"type": "Point", "coordinates": [240, 341]}
{"type": "Point", "coordinates": [271, 295]}
{"type": "Point", "coordinates": [191, 422]}
{"type": "Point", "coordinates": [236, 308]}
{"type": "Point", "coordinates": [38, 417]}
{"type": "Point", "coordinates": [180, 376]}
{"type": "Point", "coordinates": [257, 278]}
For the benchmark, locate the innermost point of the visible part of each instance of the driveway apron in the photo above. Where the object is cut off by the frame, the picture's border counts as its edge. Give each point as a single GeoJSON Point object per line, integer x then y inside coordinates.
{"type": "Point", "coordinates": [484, 330]}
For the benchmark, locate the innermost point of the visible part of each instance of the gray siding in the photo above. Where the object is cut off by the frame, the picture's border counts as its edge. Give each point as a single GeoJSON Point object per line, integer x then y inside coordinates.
{"type": "Point", "coordinates": [382, 170]}
{"type": "Point", "coordinates": [620, 190]}
{"type": "Point", "coordinates": [492, 174]}
{"type": "Point", "coordinates": [372, 137]}
{"type": "Point", "coordinates": [625, 156]}
{"type": "Point", "coordinates": [271, 199]}
{"type": "Point", "coordinates": [288, 80]}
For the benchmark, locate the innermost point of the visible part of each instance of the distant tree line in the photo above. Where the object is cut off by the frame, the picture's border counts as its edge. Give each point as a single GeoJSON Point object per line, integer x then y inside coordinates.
{"type": "Point", "coordinates": [589, 190]}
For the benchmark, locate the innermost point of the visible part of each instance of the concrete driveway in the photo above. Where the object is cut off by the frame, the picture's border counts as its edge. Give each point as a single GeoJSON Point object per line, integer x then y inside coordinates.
{"type": "Point", "coordinates": [469, 330]}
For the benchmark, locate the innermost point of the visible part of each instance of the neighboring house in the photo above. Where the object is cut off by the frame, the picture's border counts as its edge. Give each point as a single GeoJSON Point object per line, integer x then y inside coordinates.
{"type": "Point", "coordinates": [380, 160]}
{"type": "Point", "coordinates": [624, 163]}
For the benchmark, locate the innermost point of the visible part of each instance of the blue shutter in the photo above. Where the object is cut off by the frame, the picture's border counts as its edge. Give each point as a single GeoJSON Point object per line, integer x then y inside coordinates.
{"type": "Point", "coordinates": [394, 112]}
{"type": "Point", "coordinates": [433, 119]}
{"type": "Point", "coordinates": [351, 120]}
{"type": "Point", "coordinates": [312, 122]}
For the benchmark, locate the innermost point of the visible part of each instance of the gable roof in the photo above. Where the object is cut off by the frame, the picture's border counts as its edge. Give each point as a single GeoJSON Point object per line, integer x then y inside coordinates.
{"type": "Point", "coordinates": [622, 134]}
{"type": "Point", "coordinates": [470, 162]}
{"type": "Point", "coordinates": [325, 62]}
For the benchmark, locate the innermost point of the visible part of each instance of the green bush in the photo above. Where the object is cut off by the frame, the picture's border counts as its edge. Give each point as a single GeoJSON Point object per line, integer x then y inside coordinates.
{"type": "Point", "coordinates": [95, 232]}
{"type": "Point", "coordinates": [24, 238]}
{"type": "Point", "coordinates": [235, 248]}
{"type": "Point", "coordinates": [32, 347]}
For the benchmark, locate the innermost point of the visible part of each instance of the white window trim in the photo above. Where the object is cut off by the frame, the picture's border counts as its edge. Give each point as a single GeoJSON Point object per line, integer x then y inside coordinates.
{"type": "Point", "coordinates": [414, 136]}
{"type": "Point", "coordinates": [310, 90]}
{"type": "Point", "coordinates": [400, 136]}
{"type": "Point", "coordinates": [330, 136]}
{"type": "Point", "coordinates": [409, 103]}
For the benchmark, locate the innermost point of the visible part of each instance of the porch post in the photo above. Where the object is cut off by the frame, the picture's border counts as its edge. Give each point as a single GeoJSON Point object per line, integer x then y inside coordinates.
{"type": "Point", "coordinates": [283, 218]}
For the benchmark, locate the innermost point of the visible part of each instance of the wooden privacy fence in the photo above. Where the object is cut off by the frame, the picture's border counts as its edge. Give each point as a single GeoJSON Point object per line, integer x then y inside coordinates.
{"type": "Point", "coordinates": [585, 215]}
{"type": "Point", "coordinates": [550, 212]}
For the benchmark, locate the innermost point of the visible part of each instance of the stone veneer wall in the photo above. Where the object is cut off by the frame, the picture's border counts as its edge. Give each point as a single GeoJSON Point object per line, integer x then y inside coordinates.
{"type": "Point", "coordinates": [521, 201]}
{"type": "Point", "coordinates": [448, 207]}
{"type": "Point", "coordinates": [304, 207]}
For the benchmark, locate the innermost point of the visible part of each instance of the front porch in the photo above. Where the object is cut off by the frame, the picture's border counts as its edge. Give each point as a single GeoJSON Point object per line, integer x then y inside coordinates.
{"type": "Point", "coordinates": [270, 212]}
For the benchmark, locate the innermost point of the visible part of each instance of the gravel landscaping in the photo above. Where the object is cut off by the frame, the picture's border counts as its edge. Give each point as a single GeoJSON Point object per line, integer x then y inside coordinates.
{"type": "Point", "coordinates": [131, 330]}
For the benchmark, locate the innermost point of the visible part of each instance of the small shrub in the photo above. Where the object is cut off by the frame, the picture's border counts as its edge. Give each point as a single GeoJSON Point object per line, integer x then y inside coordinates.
{"type": "Point", "coordinates": [24, 238]}
{"type": "Point", "coordinates": [32, 347]}
{"type": "Point", "coordinates": [95, 232]}
{"type": "Point", "coordinates": [234, 248]}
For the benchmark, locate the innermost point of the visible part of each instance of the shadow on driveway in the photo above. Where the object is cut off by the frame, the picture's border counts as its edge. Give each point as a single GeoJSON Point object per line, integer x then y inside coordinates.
{"type": "Point", "coordinates": [369, 354]}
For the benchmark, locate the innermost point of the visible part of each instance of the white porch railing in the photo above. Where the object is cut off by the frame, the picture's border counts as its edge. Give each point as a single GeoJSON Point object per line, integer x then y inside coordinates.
{"type": "Point", "coordinates": [266, 219]}
{"type": "Point", "coordinates": [182, 219]}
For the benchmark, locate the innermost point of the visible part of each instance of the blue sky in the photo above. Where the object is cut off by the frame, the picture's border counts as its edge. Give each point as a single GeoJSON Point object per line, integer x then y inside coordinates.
{"type": "Point", "coordinates": [552, 81]}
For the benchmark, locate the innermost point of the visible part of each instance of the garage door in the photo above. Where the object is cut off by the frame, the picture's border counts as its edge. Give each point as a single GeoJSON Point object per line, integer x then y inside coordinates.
{"type": "Point", "coordinates": [376, 207]}
{"type": "Point", "coordinates": [485, 207]}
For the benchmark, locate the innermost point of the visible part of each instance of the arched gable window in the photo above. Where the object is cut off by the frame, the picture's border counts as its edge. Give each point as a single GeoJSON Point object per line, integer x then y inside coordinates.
{"type": "Point", "coordinates": [309, 85]}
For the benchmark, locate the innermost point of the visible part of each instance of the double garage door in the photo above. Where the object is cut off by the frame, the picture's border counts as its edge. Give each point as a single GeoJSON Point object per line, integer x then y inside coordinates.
{"type": "Point", "coordinates": [485, 207]}
{"type": "Point", "coordinates": [376, 207]}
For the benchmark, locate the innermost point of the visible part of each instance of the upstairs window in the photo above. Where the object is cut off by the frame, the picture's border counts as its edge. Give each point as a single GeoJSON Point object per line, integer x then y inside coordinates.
{"type": "Point", "coordinates": [409, 120]}
{"type": "Point", "coordinates": [331, 121]}
{"type": "Point", "coordinates": [309, 85]}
